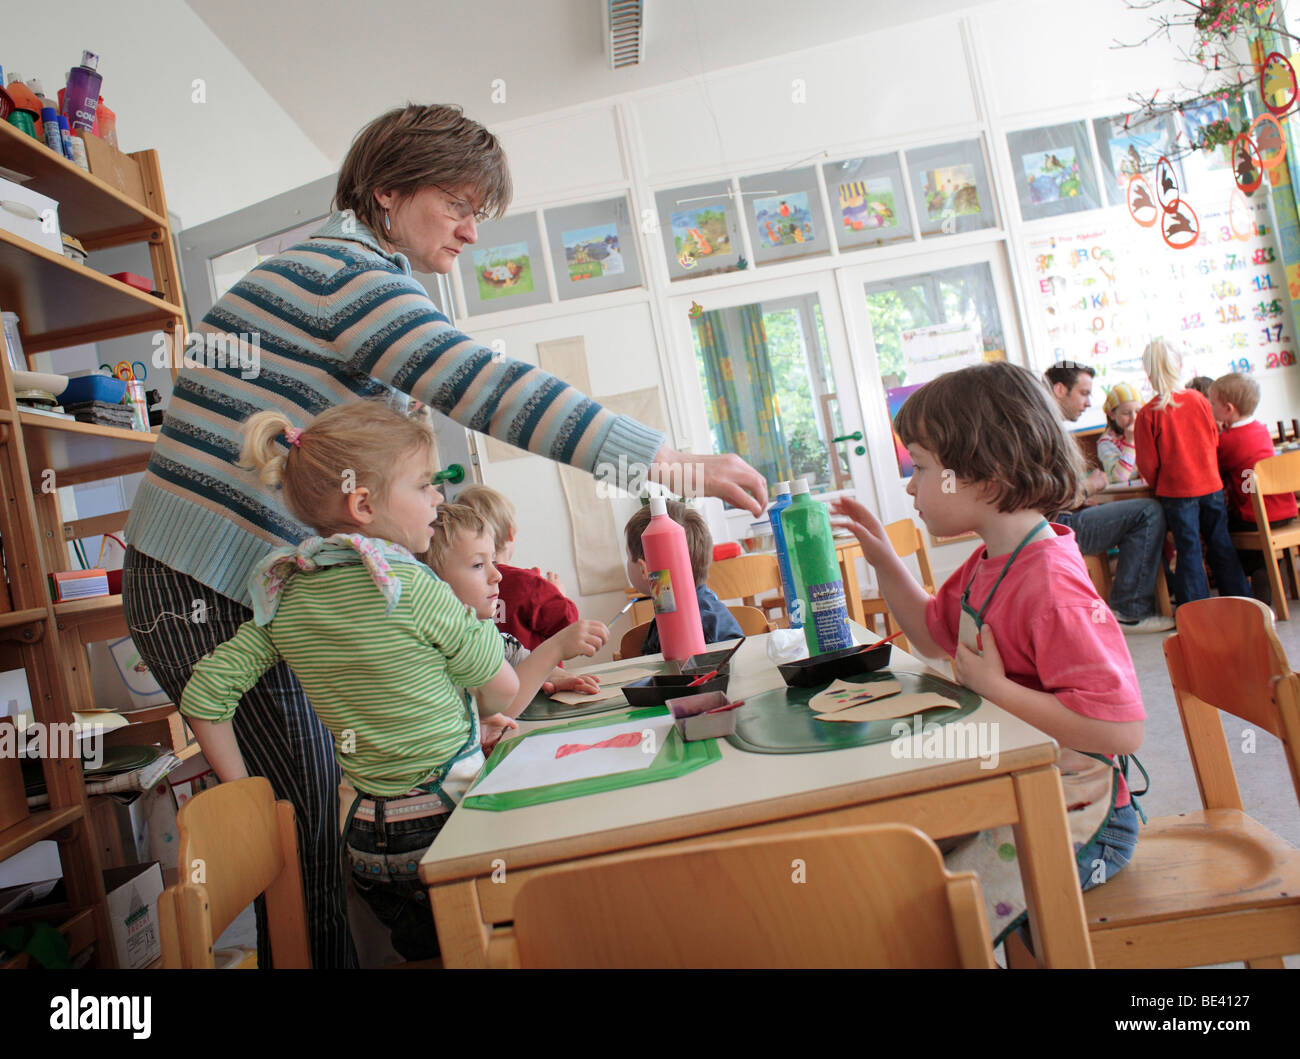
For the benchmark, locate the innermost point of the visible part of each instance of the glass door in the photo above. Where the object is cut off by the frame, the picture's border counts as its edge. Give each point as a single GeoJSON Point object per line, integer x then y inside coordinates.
{"type": "Point", "coordinates": [910, 320]}
{"type": "Point", "coordinates": [772, 381]}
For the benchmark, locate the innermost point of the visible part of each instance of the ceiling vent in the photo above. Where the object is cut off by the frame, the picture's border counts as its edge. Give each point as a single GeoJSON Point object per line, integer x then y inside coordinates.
{"type": "Point", "coordinates": [625, 40]}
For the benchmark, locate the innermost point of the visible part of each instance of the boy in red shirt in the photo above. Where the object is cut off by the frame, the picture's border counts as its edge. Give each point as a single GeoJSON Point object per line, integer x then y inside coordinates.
{"type": "Point", "coordinates": [1244, 442]}
{"type": "Point", "coordinates": [532, 608]}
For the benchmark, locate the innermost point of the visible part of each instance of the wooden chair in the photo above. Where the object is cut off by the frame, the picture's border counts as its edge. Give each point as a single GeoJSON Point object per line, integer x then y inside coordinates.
{"type": "Point", "coordinates": [1212, 886]}
{"type": "Point", "coordinates": [752, 621]}
{"type": "Point", "coordinates": [745, 578]}
{"type": "Point", "coordinates": [633, 640]}
{"type": "Point", "coordinates": [906, 540]}
{"type": "Point", "coordinates": [875, 896]}
{"type": "Point", "coordinates": [236, 841]}
{"type": "Point", "coordinates": [1276, 474]}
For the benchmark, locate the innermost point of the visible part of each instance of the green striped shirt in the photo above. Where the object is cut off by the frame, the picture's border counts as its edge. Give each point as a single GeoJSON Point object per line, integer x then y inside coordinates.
{"type": "Point", "coordinates": [385, 685]}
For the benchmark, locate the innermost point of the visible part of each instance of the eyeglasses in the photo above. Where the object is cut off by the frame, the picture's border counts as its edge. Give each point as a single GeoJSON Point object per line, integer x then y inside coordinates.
{"type": "Point", "coordinates": [462, 210]}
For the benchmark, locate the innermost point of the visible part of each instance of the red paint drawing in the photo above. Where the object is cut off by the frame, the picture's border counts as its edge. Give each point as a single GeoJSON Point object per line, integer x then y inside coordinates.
{"type": "Point", "coordinates": [619, 742]}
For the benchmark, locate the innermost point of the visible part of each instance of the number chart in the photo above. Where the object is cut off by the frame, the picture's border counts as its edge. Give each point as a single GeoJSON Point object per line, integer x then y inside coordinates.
{"type": "Point", "coordinates": [1102, 287]}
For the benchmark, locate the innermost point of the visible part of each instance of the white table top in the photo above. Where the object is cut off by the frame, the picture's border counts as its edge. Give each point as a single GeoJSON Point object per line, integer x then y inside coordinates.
{"type": "Point", "coordinates": [679, 807]}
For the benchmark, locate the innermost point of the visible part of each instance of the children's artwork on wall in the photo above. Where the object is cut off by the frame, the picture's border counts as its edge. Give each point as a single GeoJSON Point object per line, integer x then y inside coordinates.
{"type": "Point", "coordinates": [592, 252]}
{"type": "Point", "coordinates": [785, 220]}
{"type": "Point", "coordinates": [950, 183]}
{"type": "Point", "coordinates": [504, 269]}
{"type": "Point", "coordinates": [894, 397]}
{"type": "Point", "coordinates": [1054, 170]}
{"type": "Point", "coordinates": [1127, 147]}
{"type": "Point", "coordinates": [785, 215]}
{"type": "Point", "coordinates": [593, 248]}
{"type": "Point", "coordinates": [869, 201]}
{"type": "Point", "coordinates": [951, 190]}
{"type": "Point", "coordinates": [700, 227]}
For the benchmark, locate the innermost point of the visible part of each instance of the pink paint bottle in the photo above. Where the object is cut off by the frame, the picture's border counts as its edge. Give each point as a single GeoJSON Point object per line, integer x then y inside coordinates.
{"type": "Point", "coordinates": [672, 584]}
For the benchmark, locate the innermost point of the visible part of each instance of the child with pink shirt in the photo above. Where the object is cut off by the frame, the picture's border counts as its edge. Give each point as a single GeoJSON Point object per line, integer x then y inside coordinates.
{"type": "Point", "coordinates": [1020, 618]}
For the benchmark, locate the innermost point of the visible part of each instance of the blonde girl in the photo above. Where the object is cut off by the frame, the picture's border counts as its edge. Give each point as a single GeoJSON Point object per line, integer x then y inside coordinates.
{"type": "Point", "coordinates": [1177, 455]}
{"type": "Point", "coordinates": [1020, 618]}
{"type": "Point", "coordinates": [379, 644]}
{"type": "Point", "coordinates": [1115, 449]}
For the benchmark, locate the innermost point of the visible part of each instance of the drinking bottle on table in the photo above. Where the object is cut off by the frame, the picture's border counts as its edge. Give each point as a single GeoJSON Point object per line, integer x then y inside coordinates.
{"type": "Point", "coordinates": [782, 492]}
{"type": "Point", "coordinates": [672, 584]}
{"type": "Point", "coordinates": [818, 584]}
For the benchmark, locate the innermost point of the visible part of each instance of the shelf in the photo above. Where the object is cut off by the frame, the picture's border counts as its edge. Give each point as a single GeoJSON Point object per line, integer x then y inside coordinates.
{"type": "Point", "coordinates": [82, 452]}
{"type": "Point", "coordinates": [95, 212]}
{"type": "Point", "coordinates": [61, 303]}
{"type": "Point", "coordinates": [97, 606]}
{"type": "Point", "coordinates": [41, 823]}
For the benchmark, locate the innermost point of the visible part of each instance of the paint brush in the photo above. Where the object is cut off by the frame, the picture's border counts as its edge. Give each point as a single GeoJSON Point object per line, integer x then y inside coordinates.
{"type": "Point", "coordinates": [629, 605]}
{"type": "Point", "coordinates": [885, 640]}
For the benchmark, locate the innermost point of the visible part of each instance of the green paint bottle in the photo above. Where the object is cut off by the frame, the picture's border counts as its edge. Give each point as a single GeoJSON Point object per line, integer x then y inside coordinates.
{"type": "Point", "coordinates": [818, 584]}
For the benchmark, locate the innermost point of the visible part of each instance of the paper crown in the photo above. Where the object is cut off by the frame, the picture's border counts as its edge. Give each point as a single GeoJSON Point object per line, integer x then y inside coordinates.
{"type": "Point", "coordinates": [1120, 393]}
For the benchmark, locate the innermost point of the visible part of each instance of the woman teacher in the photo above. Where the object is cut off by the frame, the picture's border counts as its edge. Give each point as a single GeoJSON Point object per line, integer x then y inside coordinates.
{"type": "Point", "coordinates": [335, 319]}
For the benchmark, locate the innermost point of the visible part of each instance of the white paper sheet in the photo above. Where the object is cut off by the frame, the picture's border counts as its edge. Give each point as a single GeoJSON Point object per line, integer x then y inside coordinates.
{"type": "Point", "coordinates": [608, 688]}
{"type": "Point", "coordinates": [533, 763]}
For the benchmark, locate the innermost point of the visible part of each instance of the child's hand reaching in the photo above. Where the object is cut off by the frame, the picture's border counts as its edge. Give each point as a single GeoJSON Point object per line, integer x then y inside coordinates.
{"type": "Point", "coordinates": [554, 579]}
{"type": "Point", "coordinates": [580, 638]}
{"type": "Point", "coordinates": [582, 683]}
{"type": "Point", "coordinates": [865, 526]}
{"type": "Point", "coordinates": [491, 729]}
{"type": "Point", "coordinates": [981, 671]}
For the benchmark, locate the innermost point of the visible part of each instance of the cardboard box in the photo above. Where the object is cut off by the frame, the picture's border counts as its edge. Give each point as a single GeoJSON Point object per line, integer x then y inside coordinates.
{"type": "Point", "coordinates": [113, 167]}
{"type": "Point", "coordinates": [31, 215]}
{"type": "Point", "coordinates": [133, 894]}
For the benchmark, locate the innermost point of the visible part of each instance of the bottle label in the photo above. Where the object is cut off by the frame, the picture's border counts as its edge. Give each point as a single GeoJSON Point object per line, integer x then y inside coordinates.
{"type": "Point", "coordinates": [830, 619]}
{"type": "Point", "coordinates": [661, 591]}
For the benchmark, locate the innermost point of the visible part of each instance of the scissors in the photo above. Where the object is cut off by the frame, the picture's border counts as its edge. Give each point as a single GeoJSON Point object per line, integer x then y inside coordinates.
{"type": "Point", "coordinates": [126, 370]}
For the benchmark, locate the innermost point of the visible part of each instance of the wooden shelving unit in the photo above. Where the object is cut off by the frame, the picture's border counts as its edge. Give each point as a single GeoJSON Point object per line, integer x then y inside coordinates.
{"type": "Point", "coordinates": [62, 303]}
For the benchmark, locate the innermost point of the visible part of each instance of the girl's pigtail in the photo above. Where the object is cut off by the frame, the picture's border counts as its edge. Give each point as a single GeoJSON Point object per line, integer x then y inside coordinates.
{"type": "Point", "coordinates": [260, 452]}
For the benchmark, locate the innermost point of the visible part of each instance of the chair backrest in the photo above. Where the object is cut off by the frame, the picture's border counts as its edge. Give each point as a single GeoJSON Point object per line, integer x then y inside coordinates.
{"type": "Point", "coordinates": [752, 621]}
{"type": "Point", "coordinates": [875, 896]}
{"type": "Point", "coordinates": [1278, 474]}
{"type": "Point", "coordinates": [634, 640]}
{"type": "Point", "coordinates": [1226, 656]}
{"type": "Point", "coordinates": [906, 539]}
{"type": "Point", "coordinates": [236, 842]}
{"type": "Point", "coordinates": [745, 576]}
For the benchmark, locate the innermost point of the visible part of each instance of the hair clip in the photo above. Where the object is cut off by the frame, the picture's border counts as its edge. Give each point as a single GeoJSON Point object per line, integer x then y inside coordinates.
{"type": "Point", "coordinates": [293, 435]}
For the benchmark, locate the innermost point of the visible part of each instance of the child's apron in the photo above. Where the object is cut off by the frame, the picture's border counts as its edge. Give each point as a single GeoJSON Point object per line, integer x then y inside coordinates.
{"type": "Point", "coordinates": [1091, 780]}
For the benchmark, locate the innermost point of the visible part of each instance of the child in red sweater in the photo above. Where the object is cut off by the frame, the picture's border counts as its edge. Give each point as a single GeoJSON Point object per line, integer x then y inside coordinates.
{"type": "Point", "coordinates": [1244, 442]}
{"type": "Point", "coordinates": [532, 608]}
{"type": "Point", "coordinates": [1177, 454]}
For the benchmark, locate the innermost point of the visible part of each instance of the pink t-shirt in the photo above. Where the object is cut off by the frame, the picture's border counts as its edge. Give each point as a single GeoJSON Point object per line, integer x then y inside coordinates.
{"type": "Point", "coordinates": [1053, 632]}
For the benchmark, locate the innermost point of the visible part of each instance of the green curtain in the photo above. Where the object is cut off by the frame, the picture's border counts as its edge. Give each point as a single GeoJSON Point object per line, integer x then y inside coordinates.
{"type": "Point", "coordinates": [762, 446]}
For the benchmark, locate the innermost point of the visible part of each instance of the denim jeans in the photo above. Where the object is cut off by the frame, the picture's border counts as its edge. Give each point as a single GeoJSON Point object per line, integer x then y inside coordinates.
{"type": "Point", "coordinates": [384, 856]}
{"type": "Point", "coordinates": [1137, 528]}
{"type": "Point", "coordinates": [1193, 519]}
{"type": "Point", "coordinates": [1111, 849]}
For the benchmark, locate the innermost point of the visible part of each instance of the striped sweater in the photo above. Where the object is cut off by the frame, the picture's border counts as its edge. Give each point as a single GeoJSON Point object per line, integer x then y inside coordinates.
{"type": "Point", "coordinates": [385, 685]}
{"type": "Point", "coordinates": [328, 321]}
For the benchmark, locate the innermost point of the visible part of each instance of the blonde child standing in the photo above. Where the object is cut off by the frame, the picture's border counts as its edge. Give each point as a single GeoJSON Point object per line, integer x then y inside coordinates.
{"type": "Point", "coordinates": [379, 644]}
{"type": "Point", "coordinates": [1003, 616]}
{"type": "Point", "coordinates": [461, 553]}
{"type": "Point", "coordinates": [1115, 449]}
{"type": "Point", "coordinates": [1177, 455]}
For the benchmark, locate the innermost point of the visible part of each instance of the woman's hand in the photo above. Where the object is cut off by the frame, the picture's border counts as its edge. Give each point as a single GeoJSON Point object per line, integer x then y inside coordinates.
{"type": "Point", "coordinates": [727, 477]}
{"type": "Point", "coordinates": [865, 526]}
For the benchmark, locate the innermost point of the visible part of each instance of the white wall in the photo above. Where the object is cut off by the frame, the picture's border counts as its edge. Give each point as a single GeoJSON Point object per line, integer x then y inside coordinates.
{"type": "Point", "coordinates": [235, 148]}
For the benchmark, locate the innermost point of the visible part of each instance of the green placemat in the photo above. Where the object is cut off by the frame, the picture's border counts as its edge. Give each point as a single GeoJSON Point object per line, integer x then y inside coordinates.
{"type": "Point", "coordinates": [675, 758]}
{"type": "Point", "coordinates": [543, 708]}
{"type": "Point", "coordinates": [780, 722]}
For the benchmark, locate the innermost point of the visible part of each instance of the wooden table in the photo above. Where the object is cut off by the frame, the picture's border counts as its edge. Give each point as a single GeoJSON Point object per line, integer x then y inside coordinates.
{"type": "Point", "coordinates": [1123, 492]}
{"type": "Point", "coordinates": [475, 868]}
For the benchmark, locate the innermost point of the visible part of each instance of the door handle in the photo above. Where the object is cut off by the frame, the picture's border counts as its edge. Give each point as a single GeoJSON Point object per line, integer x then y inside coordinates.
{"type": "Point", "coordinates": [855, 436]}
{"type": "Point", "coordinates": [454, 474]}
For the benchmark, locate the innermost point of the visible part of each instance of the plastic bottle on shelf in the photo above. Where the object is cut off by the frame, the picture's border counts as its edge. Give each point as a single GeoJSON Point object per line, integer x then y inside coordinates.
{"type": "Point", "coordinates": [73, 146]}
{"type": "Point", "coordinates": [50, 127]}
{"type": "Point", "coordinates": [782, 492]}
{"type": "Point", "coordinates": [106, 123]}
{"type": "Point", "coordinates": [672, 584]}
{"type": "Point", "coordinates": [38, 91]}
{"type": "Point", "coordinates": [819, 586]}
{"type": "Point", "coordinates": [82, 97]}
{"type": "Point", "coordinates": [27, 108]}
